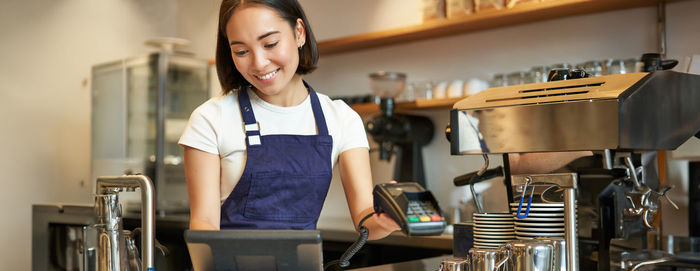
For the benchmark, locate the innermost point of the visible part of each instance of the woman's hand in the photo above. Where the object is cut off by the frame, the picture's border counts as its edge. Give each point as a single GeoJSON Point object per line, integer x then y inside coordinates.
{"type": "Point", "coordinates": [383, 225]}
{"type": "Point", "coordinates": [387, 223]}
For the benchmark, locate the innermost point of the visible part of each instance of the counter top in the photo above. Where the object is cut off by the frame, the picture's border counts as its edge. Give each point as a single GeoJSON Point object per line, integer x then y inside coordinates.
{"type": "Point", "coordinates": [332, 229]}
{"type": "Point", "coordinates": [342, 229]}
{"type": "Point", "coordinates": [427, 264]}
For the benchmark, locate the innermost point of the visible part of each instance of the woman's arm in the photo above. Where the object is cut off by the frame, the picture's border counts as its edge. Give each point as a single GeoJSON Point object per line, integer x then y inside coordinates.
{"type": "Point", "coordinates": [202, 172]}
{"type": "Point", "coordinates": [357, 183]}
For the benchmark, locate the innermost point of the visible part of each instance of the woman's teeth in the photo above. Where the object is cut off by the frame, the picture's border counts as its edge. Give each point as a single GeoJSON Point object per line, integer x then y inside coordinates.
{"type": "Point", "coordinates": [268, 76]}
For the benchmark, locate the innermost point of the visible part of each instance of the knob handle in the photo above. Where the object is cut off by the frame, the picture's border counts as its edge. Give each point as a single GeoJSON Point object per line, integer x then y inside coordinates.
{"type": "Point", "coordinates": [558, 74]}
{"type": "Point", "coordinates": [448, 132]}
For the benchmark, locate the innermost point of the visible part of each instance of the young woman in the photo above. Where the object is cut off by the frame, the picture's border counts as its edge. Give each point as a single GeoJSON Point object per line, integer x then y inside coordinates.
{"type": "Point", "coordinates": [261, 155]}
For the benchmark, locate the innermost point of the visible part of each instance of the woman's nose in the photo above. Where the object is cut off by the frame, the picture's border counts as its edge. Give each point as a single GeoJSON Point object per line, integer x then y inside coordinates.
{"type": "Point", "coordinates": [260, 60]}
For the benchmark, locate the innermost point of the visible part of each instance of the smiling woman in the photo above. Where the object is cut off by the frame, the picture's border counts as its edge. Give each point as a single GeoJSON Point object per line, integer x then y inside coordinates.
{"type": "Point", "coordinates": [261, 155]}
{"type": "Point", "coordinates": [274, 15]}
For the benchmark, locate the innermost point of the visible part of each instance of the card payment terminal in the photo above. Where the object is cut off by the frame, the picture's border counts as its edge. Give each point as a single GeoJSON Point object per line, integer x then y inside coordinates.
{"type": "Point", "coordinates": [411, 206]}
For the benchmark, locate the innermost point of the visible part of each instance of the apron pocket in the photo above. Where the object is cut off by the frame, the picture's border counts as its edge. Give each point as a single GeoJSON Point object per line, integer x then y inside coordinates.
{"type": "Point", "coordinates": [282, 197]}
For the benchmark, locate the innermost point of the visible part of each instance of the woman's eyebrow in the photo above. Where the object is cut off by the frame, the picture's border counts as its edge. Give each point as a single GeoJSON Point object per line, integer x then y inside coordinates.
{"type": "Point", "coordinates": [259, 38]}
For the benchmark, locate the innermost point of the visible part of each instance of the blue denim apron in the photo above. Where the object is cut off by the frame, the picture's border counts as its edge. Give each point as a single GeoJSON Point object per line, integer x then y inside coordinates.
{"type": "Point", "coordinates": [286, 177]}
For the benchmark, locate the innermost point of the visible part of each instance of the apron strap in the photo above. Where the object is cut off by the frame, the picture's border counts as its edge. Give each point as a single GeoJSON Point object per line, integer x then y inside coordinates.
{"type": "Point", "coordinates": [318, 112]}
{"type": "Point", "coordinates": [252, 128]}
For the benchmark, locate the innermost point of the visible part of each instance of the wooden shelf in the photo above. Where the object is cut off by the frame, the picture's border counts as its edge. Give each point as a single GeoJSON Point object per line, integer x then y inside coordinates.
{"type": "Point", "coordinates": [404, 107]}
{"type": "Point", "coordinates": [522, 13]}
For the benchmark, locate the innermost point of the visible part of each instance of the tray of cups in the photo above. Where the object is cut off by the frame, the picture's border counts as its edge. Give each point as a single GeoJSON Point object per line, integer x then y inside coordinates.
{"type": "Point", "coordinates": [541, 219]}
{"type": "Point", "coordinates": [494, 230]}
{"type": "Point", "coordinates": [501, 233]}
{"type": "Point", "coordinates": [539, 214]}
{"type": "Point", "coordinates": [493, 227]}
{"type": "Point", "coordinates": [536, 209]}
{"type": "Point", "coordinates": [542, 205]}
{"type": "Point", "coordinates": [538, 229]}
{"type": "Point", "coordinates": [540, 234]}
{"type": "Point", "coordinates": [493, 223]}
{"type": "Point", "coordinates": [538, 224]}
{"type": "Point", "coordinates": [489, 219]}
{"type": "Point", "coordinates": [496, 237]}
{"type": "Point", "coordinates": [493, 242]}
{"type": "Point", "coordinates": [490, 215]}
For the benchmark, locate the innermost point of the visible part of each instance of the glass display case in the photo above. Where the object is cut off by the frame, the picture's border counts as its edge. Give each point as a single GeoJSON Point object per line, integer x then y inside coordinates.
{"type": "Point", "coordinates": [140, 107]}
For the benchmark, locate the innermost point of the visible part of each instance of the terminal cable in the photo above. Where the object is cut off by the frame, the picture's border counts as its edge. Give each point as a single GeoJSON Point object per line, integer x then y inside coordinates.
{"type": "Point", "coordinates": [344, 260]}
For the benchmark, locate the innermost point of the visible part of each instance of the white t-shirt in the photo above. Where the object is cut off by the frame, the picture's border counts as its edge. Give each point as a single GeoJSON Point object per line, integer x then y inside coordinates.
{"type": "Point", "coordinates": [217, 127]}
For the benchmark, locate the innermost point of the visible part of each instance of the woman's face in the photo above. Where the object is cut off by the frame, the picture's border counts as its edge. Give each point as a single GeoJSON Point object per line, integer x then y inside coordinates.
{"type": "Point", "coordinates": [264, 47]}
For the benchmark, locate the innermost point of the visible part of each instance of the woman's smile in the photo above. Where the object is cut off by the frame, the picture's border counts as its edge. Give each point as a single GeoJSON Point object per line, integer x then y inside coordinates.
{"type": "Point", "coordinates": [267, 77]}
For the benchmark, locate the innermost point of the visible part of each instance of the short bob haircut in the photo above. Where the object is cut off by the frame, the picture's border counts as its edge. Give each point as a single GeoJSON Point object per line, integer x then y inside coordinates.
{"type": "Point", "coordinates": [229, 77]}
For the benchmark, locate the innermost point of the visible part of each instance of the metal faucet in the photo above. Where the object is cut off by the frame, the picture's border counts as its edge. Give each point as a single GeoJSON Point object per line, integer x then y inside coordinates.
{"type": "Point", "coordinates": [109, 212]}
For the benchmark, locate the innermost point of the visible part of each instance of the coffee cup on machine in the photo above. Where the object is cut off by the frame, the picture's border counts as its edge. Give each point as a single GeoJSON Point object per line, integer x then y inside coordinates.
{"type": "Point", "coordinates": [559, 253]}
{"type": "Point", "coordinates": [454, 264]}
{"type": "Point", "coordinates": [488, 259]}
{"type": "Point", "coordinates": [537, 254]}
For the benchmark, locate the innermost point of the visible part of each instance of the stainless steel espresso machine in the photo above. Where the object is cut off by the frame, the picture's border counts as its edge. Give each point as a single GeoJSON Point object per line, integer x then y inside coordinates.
{"type": "Point", "coordinates": [604, 211]}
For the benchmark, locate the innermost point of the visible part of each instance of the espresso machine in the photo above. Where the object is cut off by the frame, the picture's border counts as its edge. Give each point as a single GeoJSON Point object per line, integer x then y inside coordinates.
{"type": "Point", "coordinates": [608, 207]}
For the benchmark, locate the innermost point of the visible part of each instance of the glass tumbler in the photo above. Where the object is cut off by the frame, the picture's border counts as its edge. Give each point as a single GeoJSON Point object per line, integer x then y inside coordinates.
{"type": "Point", "coordinates": [615, 66]}
{"type": "Point", "coordinates": [517, 78]}
{"type": "Point", "coordinates": [498, 80]}
{"type": "Point", "coordinates": [538, 74]}
{"type": "Point", "coordinates": [593, 67]}
{"type": "Point", "coordinates": [422, 90]}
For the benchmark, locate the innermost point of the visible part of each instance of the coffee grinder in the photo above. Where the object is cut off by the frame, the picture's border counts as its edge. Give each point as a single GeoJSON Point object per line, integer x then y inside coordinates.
{"type": "Point", "coordinates": [400, 134]}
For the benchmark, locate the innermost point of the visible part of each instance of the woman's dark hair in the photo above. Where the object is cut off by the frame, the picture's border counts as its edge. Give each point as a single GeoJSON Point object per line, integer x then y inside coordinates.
{"type": "Point", "coordinates": [289, 10]}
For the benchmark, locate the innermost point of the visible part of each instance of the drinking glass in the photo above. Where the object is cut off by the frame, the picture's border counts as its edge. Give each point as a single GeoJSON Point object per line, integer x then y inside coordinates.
{"type": "Point", "coordinates": [633, 65]}
{"type": "Point", "coordinates": [615, 66]}
{"type": "Point", "coordinates": [593, 67]}
{"type": "Point", "coordinates": [422, 90]}
{"type": "Point", "coordinates": [498, 80]}
{"type": "Point", "coordinates": [538, 74]}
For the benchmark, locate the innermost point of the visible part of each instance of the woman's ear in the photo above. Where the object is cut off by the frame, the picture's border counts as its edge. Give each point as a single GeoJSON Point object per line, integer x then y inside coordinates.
{"type": "Point", "coordinates": [300, 32]}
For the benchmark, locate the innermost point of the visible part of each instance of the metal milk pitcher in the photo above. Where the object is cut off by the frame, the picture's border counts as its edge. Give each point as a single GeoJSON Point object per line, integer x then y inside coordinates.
{"type": "Point", "coordinates": [107, 246]}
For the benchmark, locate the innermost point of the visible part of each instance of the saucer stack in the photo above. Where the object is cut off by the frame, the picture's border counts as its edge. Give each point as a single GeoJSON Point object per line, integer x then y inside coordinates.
{"type": "Point", "coordinates": [544, 220]}
{"type": "Point", "coordinates": [493, 229]}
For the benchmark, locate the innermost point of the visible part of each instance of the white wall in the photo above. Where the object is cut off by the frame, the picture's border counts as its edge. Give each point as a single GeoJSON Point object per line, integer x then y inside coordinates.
{"type": "Point", "coordinates": [46, 51]}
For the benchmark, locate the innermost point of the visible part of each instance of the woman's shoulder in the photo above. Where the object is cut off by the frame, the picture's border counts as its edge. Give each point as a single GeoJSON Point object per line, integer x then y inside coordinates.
{"type": "Point", "coordinates": [337, 106]}
{"type": "Point", "coordinates": [216, 105]}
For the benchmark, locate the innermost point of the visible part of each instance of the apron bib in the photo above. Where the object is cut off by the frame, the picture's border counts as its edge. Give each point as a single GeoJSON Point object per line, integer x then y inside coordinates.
{"type": "Point", "coordinates": [286, 177]}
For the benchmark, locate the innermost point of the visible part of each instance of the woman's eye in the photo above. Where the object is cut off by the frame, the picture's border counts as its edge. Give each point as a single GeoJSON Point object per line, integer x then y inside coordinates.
{"type": "Point", "coordinates": [240, 53]}
{"type": "Point", "coordinates": [270, 45]}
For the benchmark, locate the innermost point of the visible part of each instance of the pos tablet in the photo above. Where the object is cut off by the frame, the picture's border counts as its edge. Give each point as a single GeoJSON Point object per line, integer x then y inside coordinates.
{"type": "Point", "coordinates": [241, 250]}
